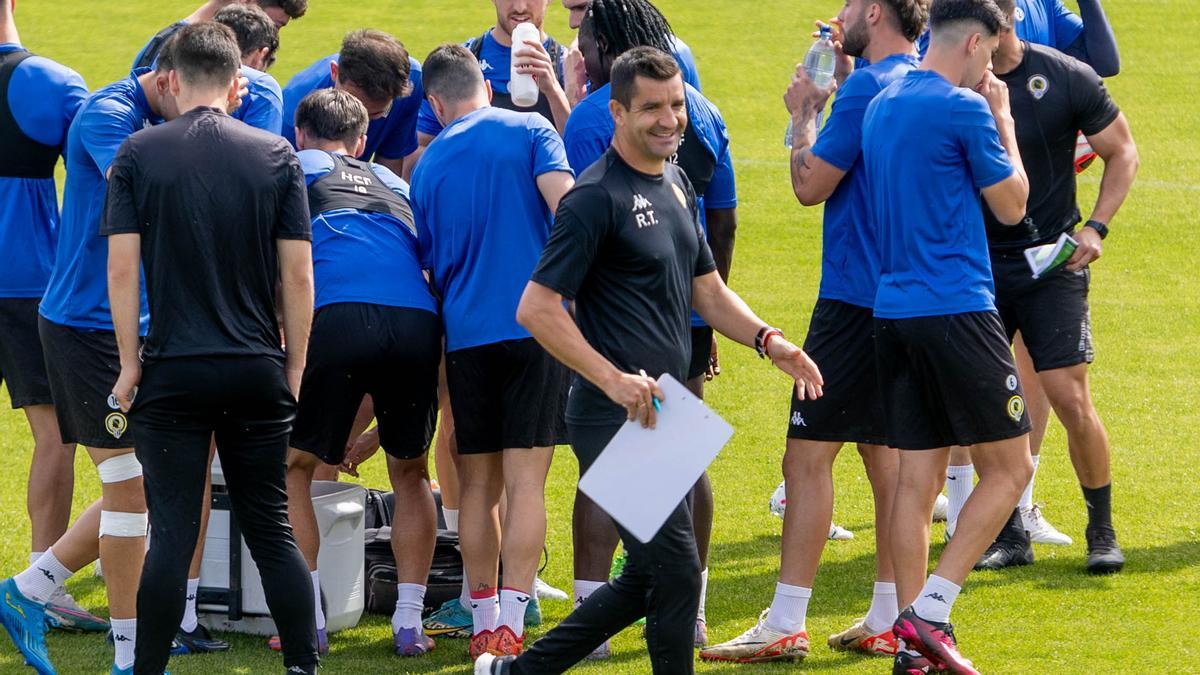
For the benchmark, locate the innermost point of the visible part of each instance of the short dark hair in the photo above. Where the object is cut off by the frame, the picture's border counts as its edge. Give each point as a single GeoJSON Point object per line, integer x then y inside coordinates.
{"type": "Point", "coordinates": [253, 28]}
{"type": "Point", "coordinates": [293, 8]}
{"type": "Point", "coordinates": [451, 72]}
{"type": "Point", "coordinates": [985, 13]}
{"type": "Point", "coordinates": [332, 115]}
{"type": "Point", "coordinates": [648, 62]}
{"type": "Point", "coordinates": [621, 25]}
{"type": "Point", "coordinates": [1008, 7]}
{"type": "Point", "coordinates": [376, 63]}
{"type": "Point", "coordinates": [166, 58]}
{"type": "Point", "coordinates": [205, 54]}
{"type": "Point", "coordinates": [910, 16]}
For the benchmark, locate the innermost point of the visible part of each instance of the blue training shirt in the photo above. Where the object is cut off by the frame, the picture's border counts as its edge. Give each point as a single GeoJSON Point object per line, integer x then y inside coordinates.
{"type": "Point", "coordinates": [850, 255]}
{"type": "Point", "coordinates": [495, 60]}
{"type": "Point", "coordinates": [363, 256]}
{"type": "Point", "coordinates": [481, 219]}
{"type": "Point", "coordinates": [687, 63]}
{"type": "Point", "coordinates": [391, 137]}
{"type": "Point", "coordinates": [262, 108]}
{"type": "Point", "coordinates": [928, 148]}
{"type": "Point", "coordinates": [43, 97]}
{"type": "Point", "coordinates": [1042, 22]}
{"type": "Point", "coordinates": [77, 295]}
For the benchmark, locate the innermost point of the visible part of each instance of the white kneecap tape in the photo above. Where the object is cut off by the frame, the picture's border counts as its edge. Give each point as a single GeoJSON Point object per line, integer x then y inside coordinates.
{"type": "Point", "coordinates": [119, 468]}
{"type": "Point", "coordinates": [118, 524]}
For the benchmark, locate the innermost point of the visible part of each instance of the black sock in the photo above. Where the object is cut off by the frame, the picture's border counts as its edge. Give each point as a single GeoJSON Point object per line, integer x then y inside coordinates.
{"type": "Point", "coordinates": [1014, 529]}
{"type": "Point", "coordinates": [1099, 506]}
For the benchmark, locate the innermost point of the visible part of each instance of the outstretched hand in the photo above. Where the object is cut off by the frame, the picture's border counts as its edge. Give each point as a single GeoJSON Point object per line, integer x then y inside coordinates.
{"type": "Point", "coordinates": [792, 360]}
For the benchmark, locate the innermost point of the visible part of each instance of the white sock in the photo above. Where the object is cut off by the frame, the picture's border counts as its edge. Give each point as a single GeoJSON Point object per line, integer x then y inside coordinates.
{"type": "Point", "coordinates": [883, 610]}
{"type": "Point", "coordinates": [512, 609]}
{"type": "Point", "coordinates": [35, 556]}
{"type": "Point", "coordinates": [960, 481]}
{"type": "Point", "coordinates": [485, 611]}
{"type": "Point", "coordinates": [936, 599]}
{"type": "Point", "coordinates": [39, 581]}
{"type": "Point", "coordinates": [451, 518]}
{"type": "Point", "coordinates": [1026, 502]}
{"type": "Point", "coordinates": [464, 595]}
{"type": "Point", "coordinates": [124, 639]}
{"type": "Point", "coordinates": [190, 621]}
{"type": "Point", "coordinates": [703, 593]}
{"type": "Point", "coordinates": [320, 613]}
{"type": "Point", "coordinates": [410, 600]}
{"type": "Point", "coordinates": [789, 608]}
{"type": "Point", "coordinates": [584, 590]}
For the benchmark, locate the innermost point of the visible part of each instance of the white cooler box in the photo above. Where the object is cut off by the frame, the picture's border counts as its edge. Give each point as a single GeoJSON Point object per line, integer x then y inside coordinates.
{"type": "Point", "coordinates": [231, 596]}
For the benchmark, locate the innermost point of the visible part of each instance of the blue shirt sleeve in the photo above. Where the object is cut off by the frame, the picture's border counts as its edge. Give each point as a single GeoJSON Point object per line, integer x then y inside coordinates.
{"type": "Point", "coordinates": [840, 140]}
{"type": "Point", "coordinates": [103, 128]}
{"type": "Point", "coordinates": [721, 192]}
{"type": "Point", "coordinates": [687, 62]}
{"type": "Point", "coordinates": [549, 152]}
{"type": "Point", "coordinates": [427, 122]}
{"type": "Point", "coordinates": [976, 131]}
{"type": "Point", "coordinates": [391, 180]}
{"type": "Point", "coordinates": [315, 164]}
{"type": "Point", "coordinates": [424, 236]}
{"type": "Point", "coordinates": [263, 107]}
{"type": "Point", "coordinates": [1067, 26]}
{"type": "Point", "coordinates": [44, 97]}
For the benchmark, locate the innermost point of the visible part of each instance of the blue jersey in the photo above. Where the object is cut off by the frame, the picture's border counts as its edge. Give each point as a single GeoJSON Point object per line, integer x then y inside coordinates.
{"type": "Point", "coordinates": [363, 256]}
{"type": "Point", "coordinates": [850, 255]}
{"type": "Point", "coordinates": [495, 60]}
{"type": "Point", "coordinates": [1042, 22]}
{"type": "Point", "coordinates": [263, 106]}
{"type": "Point", "coordinates": [928, 148]}
{"type": "Point", "coordinates": [687, 62]}
{"type": "Point", "coordinates": [391, 137]}
{"type": "Point", "coordinates": [77, 295]}
{"type": "Point", "coordinates": [590, 129]}
{"type": "Point", "coordinates": [43, 97]}
{"type": "Point", "coordinates": [481, 219]}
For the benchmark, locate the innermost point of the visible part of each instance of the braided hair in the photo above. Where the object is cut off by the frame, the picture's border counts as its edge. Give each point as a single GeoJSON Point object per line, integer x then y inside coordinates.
{"type": "Point", "coordinates": [621, 25]}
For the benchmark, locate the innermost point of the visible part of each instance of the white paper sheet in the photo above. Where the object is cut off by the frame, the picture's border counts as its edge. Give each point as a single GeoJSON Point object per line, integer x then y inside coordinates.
{"type": "Point", "coordinates": [643, 474]}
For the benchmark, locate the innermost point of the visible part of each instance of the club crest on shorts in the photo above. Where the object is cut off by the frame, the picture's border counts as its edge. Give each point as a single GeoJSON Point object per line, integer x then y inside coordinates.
{"type": "Point", "coordinates": [1011, 382]}
{"type": "Point", "coordinates": [1016, 408]}
{"type": "Point", "coordinates": [116, 424]}
{"type": "Point", "coordinates": [1038, 85]}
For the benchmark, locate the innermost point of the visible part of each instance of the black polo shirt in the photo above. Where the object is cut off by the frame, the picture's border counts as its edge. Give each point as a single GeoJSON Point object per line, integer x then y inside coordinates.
{"type": "Point", "coordinates": [210, 196]}
{"type": "Point", "coordinates": [625, 247]}
{"type": "Point", "coordinates": [1053, 97]}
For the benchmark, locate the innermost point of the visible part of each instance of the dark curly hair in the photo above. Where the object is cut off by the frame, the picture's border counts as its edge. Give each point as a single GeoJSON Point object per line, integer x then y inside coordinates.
{"type": "Point", "coordinates": [910, 16]}
{"type": "Point", "coordinates": [294, 8]}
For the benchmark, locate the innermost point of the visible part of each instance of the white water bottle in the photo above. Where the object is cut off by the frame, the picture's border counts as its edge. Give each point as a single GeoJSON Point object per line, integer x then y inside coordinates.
{"type": "Point", "coordinates": [819, 63]}
{"type": "Point", "coordinates": [521, 86]}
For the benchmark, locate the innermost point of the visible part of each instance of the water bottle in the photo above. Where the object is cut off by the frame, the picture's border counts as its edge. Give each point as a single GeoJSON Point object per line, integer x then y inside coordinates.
{"type": "Point", "coordinates": [819, 63]}
{"type": "Point", "coordinates": [521, 86]}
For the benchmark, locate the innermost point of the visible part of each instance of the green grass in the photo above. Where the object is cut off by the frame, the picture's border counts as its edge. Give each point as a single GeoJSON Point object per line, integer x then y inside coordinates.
{"type": "Point", "coordinates": [1047, 618]}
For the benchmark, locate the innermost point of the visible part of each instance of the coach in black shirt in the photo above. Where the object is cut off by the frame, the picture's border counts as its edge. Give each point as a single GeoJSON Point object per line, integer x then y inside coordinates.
{"type": "Point", "coordinates": [217, 212]}
{"type": "Point", "coordinates": [1054, 97]}
{"type": "Point", "coordinates": [627, 247]}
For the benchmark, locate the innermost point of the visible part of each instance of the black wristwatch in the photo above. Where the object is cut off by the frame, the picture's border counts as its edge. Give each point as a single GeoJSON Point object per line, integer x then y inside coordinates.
{"type": "Point", "coordinates": [1099, 227]}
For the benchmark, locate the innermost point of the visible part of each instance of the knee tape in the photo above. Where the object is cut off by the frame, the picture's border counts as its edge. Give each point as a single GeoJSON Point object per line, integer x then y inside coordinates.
{"type": "Point", "coordinates": [119, 468]}
{"type": "Point", "coordinates": [118, 524]}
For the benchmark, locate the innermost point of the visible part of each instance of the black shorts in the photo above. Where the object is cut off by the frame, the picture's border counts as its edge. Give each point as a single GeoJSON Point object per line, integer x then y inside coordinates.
{"type": "Point", "coordinates": [391, 353]}
{"type": "Point", "coordinates": [83, 366]}
{"type": "Point", "coordinates": [702, 337]}
{"type": "Point", "coordinates": [505, 395]}
{"type": "Point", "coordinates": [1051, 313]}
{"type": "Point", "coordinates": [948, 380]}
{"type": "Point", "coordinates": [841, 341]}
{"type": "Point", "coordinates": [22, 366]}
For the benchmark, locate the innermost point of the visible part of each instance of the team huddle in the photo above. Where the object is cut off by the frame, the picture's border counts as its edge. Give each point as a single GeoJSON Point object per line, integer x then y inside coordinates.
{"type": "Point", "coordinates": [259, 273]}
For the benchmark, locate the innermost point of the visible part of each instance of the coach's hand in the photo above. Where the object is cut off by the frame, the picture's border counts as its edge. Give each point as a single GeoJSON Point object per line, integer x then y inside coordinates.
{"type": "Point", "coordinates": [714, 361]}
{"type": "Point", "coordinates": [1090, 249]}
{"type": "Point", "coordinates": [844, 65]}
{"type": "Point", "coordinates": [996, 92]}
{"type": "Point", "coordinates": [635, 393]}
{"type": "Point", "coordinates": [243, 91]}
{"type": "Point", "coordinates": [803, 95]}
{"type": "Point", "coordinates": [126, 387]}
{"type": "Point", "coordinates": [533, 59]}
{"type": "Point", "coordinates": [792, 360]}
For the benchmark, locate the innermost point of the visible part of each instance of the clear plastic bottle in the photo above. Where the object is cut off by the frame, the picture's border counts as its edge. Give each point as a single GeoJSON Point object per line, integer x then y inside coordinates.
{"type": "Point", "coordinates": [819, 63]}
{"type": "Point", "coordinates": [521, 86]}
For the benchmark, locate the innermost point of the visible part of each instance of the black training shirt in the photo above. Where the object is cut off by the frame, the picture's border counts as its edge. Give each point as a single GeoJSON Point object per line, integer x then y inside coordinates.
{"type": "Point", "coordinates": [210, 196]}
{"type": "Point", "coordinates": [1053, 97]}
{"type": "Point", "coordinates": [626, 246]}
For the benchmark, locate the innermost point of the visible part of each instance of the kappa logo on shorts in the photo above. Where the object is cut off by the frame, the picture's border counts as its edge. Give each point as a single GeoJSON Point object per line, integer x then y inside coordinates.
{"type": "Point", "coordinates": [1011, 382]}
{"type": "Point", "coordinates": [1016, 408]}
{"type": "Point", "coordinates": [116, 424]}
{"type": "Point", "coordinates": [798, 420]}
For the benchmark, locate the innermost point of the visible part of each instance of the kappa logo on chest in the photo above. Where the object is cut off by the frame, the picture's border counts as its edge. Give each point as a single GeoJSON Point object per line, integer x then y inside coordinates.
{"type": "Point", "coordinates": [643, 212]}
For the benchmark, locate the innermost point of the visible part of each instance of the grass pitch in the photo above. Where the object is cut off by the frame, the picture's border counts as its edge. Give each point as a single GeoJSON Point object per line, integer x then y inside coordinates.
{"type": "Point", "coordinates": [1046, 618]}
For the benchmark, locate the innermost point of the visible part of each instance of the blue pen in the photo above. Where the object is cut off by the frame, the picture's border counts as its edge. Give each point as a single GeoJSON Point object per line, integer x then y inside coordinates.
{"type": "Point", "coordinates": [653, 399]}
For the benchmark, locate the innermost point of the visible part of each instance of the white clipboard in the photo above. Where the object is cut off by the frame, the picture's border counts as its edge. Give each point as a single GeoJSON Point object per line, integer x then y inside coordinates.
{"type": "Point", "coordinates": [643, 474]}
